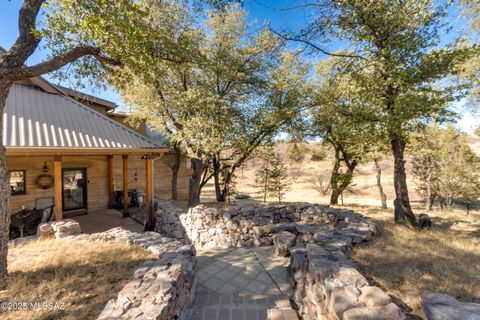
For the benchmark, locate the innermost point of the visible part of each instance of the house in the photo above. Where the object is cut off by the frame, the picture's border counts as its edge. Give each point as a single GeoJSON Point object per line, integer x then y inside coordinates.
{"type": "Point", "coordinates": [71, 146]}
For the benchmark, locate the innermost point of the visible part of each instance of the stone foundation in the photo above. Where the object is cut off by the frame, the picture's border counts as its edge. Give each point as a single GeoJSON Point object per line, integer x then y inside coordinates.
{"type": "Point", "coordinates": [162, 289]}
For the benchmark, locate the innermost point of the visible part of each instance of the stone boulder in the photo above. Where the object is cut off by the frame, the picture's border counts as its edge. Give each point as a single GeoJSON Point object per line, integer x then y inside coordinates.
{"type": "Point", "coordinates": [283, 242]}
{"type": "Point", "coordinates": [58, 229]}
{"type": "Point", "coordinates": [439, 306]}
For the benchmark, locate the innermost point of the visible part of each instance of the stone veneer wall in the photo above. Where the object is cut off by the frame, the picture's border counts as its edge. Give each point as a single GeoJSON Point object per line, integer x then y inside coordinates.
{"type": "Point", "coordinates": [162, 289]}
{"type": "Point", "coordinates": [327, 285]}
{"type": "Point", "coordinates": [243, 226]}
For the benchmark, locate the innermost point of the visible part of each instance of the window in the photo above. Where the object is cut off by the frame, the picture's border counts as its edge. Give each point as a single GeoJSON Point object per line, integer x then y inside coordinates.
{"type": "Point", "coordinates": [17, 182]}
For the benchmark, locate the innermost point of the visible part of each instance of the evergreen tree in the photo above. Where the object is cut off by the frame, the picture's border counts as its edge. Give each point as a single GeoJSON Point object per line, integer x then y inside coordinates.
{"type": "Point", "coordinates": [279, 181]}
{"type": "Point", "coordinates": [271, 177]}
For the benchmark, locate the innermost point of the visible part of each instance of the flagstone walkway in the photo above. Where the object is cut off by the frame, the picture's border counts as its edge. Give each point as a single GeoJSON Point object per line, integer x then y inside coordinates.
{"type": "Point", "coordinates": [242, 284]}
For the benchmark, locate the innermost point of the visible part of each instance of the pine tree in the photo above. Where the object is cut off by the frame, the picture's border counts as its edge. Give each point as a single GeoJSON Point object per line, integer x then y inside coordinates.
{"type": "Point", "coordinates": [279, 181]}
{"type": "Point", "coordinates": [271, 178]}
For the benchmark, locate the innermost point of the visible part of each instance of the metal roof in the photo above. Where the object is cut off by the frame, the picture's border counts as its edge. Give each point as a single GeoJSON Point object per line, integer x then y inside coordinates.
{"type": "Point", "coordinates": [36, 119]}
{"type": "Point", "coordinates": [81, 97]}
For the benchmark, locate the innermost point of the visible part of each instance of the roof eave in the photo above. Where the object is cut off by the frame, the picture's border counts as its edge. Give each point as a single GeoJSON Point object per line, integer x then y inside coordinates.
{"type": "Point", "coordinates": [18, 151]}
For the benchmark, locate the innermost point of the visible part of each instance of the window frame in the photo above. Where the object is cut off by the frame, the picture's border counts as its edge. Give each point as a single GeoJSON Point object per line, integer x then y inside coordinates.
{"type": "Point", "coordinates": [24, 182]}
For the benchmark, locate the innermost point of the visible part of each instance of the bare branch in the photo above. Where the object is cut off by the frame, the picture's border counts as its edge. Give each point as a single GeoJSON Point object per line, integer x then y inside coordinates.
{"type": "Point", "coordinates": [342, 55]}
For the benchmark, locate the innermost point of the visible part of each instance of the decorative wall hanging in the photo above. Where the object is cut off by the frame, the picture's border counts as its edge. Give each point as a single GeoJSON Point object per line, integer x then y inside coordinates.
{"type": "Point", "coordinates": [44, 181]}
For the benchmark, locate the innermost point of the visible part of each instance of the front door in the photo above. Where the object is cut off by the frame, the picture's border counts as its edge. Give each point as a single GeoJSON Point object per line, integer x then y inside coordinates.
{"type": "Point", "coordinates": [74, 193]}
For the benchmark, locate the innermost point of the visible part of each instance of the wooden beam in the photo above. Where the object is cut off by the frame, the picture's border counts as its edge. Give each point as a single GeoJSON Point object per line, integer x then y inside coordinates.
{"type": "Point", "coordinates": [125, 185]}
{"type": "Point", "coordinates": [149, 225]}
{"type": "Point", "coordinates": [111, 199]}
{"type": "Point", "coordinates": [57, 169]}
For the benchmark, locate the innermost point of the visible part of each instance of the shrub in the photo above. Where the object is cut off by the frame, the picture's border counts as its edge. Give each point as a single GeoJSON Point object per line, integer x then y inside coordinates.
{"type": "Point", "coordinates": [296, 152]}
{"type": "Point", "coordinates": [318, 155]}
{"type": "Point", "coordinates": [477, 132]}
{"type": "Point", "coordinates": [242, 197]}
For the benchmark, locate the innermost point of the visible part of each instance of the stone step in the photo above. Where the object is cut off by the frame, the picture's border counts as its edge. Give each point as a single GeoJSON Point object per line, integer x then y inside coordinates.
{"type": "Point", "coordinates": [242, 307]}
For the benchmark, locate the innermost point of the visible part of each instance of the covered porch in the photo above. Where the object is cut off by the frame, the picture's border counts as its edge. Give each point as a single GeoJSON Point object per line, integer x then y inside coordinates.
{"type": "Point", "coordinates": [102, 220]}
{"type": "Point", "coordinates": [83, 186]}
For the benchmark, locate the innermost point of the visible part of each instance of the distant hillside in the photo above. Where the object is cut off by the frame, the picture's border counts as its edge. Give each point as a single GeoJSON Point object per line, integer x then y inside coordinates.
{"type": "Point", "coordinates": [363, 191]}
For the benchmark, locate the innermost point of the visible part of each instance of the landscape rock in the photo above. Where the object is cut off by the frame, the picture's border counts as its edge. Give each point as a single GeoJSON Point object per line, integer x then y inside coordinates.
{"type": "Point", "coordinates": [390, 311]}
{"type": "Point", "coordinates": [439, 306]}
{"type": "Point", "coordinates": [374, 296]}
{"type": "Point", "coordinates": [58, 229]}
{"type": "Point", "coordinates": [283, 242]}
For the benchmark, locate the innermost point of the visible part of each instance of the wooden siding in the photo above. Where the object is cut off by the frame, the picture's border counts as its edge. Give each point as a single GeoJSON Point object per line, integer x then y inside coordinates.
{"type": "Point", "coordinates": [162, 175]}
{"type": "Point", "coordinates": [97, 177]}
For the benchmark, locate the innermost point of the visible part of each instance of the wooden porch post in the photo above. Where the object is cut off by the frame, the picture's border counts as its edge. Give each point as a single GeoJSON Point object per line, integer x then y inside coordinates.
{"type": "Point", "coordinates": [149, 225]}
{"type": "Point", "coordinates": [111, 200]}
{"type": "Point", "coordinates": [57, 168]}
{"type": "Point", "coordinates": [125, 185]}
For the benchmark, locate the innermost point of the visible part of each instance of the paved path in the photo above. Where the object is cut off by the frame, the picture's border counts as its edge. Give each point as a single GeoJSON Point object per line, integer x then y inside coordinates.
{"type": "Point", "coordinates": [242, 284]}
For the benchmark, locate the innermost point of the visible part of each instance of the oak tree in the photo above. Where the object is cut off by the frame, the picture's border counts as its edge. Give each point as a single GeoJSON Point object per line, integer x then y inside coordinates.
{"type": "Point", "coordinates": [397, 42]}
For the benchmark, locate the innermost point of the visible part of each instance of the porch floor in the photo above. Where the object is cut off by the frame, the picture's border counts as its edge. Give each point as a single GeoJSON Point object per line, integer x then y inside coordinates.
{"type": "Point", "coordinates": [102, 220]}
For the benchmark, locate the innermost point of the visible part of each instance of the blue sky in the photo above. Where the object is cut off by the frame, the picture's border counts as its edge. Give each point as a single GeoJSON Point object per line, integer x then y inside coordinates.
{"type": "Point", "coordinates": [259, 12]}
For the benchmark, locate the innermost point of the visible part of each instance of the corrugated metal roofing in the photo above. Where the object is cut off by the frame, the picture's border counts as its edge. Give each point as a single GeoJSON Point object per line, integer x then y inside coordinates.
{"type": "Point", "coordinates": [34, 118]}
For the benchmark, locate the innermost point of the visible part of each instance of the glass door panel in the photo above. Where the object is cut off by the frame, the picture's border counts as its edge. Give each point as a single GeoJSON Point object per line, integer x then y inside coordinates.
{"type": "Point", "coordinates": [74, 189]}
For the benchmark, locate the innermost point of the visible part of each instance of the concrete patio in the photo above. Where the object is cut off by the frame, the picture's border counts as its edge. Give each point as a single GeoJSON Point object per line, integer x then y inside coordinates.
{"type": "Point", "coordinates": [102, 220]}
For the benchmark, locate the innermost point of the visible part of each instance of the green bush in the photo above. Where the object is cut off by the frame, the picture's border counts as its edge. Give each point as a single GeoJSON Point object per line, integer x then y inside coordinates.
{"type": "Point", "coordinates": [318, 155]}
{"type": "Point", "coordinates": [242, 197]}
{"type": "Point", "coordinates": [296, 152]}
{"type": "Point", "coordinates": [477, 132]}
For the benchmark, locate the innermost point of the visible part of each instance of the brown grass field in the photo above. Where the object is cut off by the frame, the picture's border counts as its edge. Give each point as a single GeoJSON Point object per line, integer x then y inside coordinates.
{"type": "Point", "coordinates": [80, 276]}
{"type": "Point", "coordinates": [405, 262]}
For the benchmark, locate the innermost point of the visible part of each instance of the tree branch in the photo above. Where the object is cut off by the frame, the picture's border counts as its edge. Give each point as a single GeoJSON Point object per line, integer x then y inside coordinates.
{"type": "Point", "coordinates": [56, 63]}
{"type": "Point", "coordinates": [26, 42]}
{"type": "Point", "coordinates": [342, 55]}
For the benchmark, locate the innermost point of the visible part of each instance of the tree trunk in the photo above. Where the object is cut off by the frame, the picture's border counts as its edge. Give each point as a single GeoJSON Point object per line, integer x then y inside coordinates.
{"type": "Point", "coordinates": [194, 183]}
{"type": "Point", "coordinates": [219, 193]}
{"type": "Point", "coordinates": [4, 192]}
{"type": "Point", "coordinates": [334, 197]}
{"type": "Point", "coordinates": [338, 187]}
{"type": "Point", "coordinates": [175, 167]}
{"type": "Point", "coordinates": [428, 200]}
{"type": "Point", "coordinates": [265, 186]}
{"type": "Point", "coordinates": [334, 179]}
{"type": "Point", "coordinates": [383, 196]}
{"type": "Point", "coordinates": [403, 210]}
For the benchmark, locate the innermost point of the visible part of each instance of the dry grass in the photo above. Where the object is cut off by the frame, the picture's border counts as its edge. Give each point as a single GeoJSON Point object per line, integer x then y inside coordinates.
{"type": "Point", "coordinates": [81, 276]}
{"type": "Point", "coordinates": [408, 263]}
